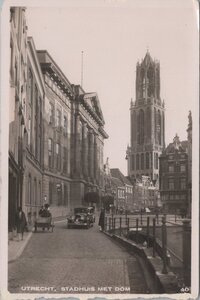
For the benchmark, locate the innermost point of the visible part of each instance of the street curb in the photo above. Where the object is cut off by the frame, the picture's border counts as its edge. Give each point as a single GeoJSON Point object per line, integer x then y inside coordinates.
{"type": "Point", "coordinates": [167, 283]}
{"type": "Point", "coordinates": [21, 249]}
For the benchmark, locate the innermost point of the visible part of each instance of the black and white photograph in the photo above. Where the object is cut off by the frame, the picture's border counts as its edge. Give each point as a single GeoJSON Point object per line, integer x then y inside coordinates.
{"type": "Point", "coordinates": [99, 149]}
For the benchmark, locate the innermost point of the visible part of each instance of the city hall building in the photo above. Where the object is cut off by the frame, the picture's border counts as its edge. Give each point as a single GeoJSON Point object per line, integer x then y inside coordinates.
{"type": "Point", "coordinates": [56, 131]}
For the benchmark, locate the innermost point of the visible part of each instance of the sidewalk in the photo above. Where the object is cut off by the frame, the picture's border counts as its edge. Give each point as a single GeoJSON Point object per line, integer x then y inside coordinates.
{"type": "Point", "coordinates": [15, 247]}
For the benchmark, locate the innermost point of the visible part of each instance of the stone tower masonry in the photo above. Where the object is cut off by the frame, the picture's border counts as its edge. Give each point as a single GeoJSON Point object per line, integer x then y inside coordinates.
{"type": "Point", "coordinates": [147, 121]}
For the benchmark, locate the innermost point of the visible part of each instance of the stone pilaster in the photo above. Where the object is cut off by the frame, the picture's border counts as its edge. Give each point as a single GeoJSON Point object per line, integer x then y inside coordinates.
{"type": "Point", "coordinates": [85, 151]}
{"type": "Point", "coordinates": [77, 161]}
{"type": "Point", "coordinates": [91, 154]}
{"type": "Point", "coordinates": [95, 157]}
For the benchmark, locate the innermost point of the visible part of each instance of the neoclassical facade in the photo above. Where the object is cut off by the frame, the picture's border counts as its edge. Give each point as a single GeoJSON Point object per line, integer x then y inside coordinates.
{"type": "Point", "coordinates": [87, 143]}
{"type": "Point", "coordinates": [56, 132]}
{"type": "Point", "coordinates": [147, 115]}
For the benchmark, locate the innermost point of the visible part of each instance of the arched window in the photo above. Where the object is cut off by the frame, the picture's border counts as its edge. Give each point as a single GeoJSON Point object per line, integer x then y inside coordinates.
{"type": "Point", "coordinates": [137, 162]}
{"type": "Point", "coordinates": [150, 76]}
{"type": "Point", "coordinates": [148, 123]}
{"type": "Point", "coordinates": [133, 162]}
{"type": "Point", "coordinates": [159, 126]}
{"type": "Point", "coordinates": [155, 125]}
{"type": "Point", "coordinates": [142, 80]}
{"type": "Point", "coordinates": [163, 127]}
{"type": "Point", "coordinates": [134, 127]}
{"type": "Point", "coordinates": [147, 160]}
{"type": "Point", "coordinates": [142, 161]}
{"type": "Point", "coordinates": [156, 160]}
{"type": "Point", "coordinates": [140, 127]}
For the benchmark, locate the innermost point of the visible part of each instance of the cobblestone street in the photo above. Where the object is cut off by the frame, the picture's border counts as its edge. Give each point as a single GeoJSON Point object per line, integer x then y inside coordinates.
{"type": "Point", "coordinates": [75, 260]}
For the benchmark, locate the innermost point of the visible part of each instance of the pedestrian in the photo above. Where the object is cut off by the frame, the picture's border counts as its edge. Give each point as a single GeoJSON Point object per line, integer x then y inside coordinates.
{"type": "Point", "coordinates": [46, 211]}
{"type": "Point", "coordinates": [41, 210]}
{"type": "Point", "coordinates": [20, 222]}
{"type": "Point", "coordinates": [102, 219]}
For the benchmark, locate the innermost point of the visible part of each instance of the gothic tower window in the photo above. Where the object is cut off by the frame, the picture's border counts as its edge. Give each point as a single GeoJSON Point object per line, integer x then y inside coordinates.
{"type": "Point", "coordinates": [147, 160]}
{"type": "Point", "coordinates": [140, 127]}
{"type": "Point", "coordinates": [159, 126]}
{"type": "Point", "coordinates": [150, 77]}
{"type": "Point", "coordinates": [142, 161]}
{"type": "Point", "coordinates": [142, 80]}
{"type": "Point", "coordinates": [133, 162]}
{"type": "Point", "coordinates": [137, 162]}
{"type": "Point", "coordinates": [155, 125]}
{"type": "Point", "coordinates": [148, 120]}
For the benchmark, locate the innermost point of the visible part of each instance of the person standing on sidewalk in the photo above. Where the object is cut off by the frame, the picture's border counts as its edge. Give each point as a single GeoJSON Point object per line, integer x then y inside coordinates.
{"type": "Point", "coordinates": [102, 219]}
{"type": "Point", "coordinates": [21, 223]}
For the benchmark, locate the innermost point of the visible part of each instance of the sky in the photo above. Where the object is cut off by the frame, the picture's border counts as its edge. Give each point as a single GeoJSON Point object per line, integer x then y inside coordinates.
{"type": "Point", "coordinates": [114, 35]}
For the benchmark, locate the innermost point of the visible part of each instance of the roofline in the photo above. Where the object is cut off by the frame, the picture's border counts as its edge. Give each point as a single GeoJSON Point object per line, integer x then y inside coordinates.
{"type": "Point", "coordinates": [58, 70]}
{"type": "Point", "coordinates": [33, 50]}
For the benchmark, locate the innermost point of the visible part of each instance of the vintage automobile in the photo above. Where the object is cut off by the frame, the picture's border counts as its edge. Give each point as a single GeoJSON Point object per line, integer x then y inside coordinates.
{"type": "Point", "coordinates": [81, 218]}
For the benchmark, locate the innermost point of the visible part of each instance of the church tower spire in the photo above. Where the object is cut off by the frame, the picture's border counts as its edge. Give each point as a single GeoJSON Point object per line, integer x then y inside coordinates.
{"type": "Point", "coordinates": [147, 120]}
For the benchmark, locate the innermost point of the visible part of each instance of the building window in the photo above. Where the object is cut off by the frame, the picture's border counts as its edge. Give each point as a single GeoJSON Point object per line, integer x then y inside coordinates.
{"type": "Point", "coordinates": [65, 124]}
{"type": "Point", "coordinates": [142, 161]}
{"type": "Point", "coordinates": [29, 189]}
{"type": "Point", "coordinates": [64, 160]}
{"type": "Point", "coordinates": [137, 162]}
{"type": "Point", "coordinates": [50, 152]}
{"type": "Point", "coordinates": [182, 168]}
{"type": "Point", "coordinates": [51, 113]}
{"type": "Point", "coordinates": [30, 86]}
{"type": "Point", "coordinates": [156, 160]}
{"type": "Point", "coordinates": [58, 118]}
{"type": "Point", "coordinates": [36, 122]}
{"type": "Point", "coordinates": [11, 63]}
{"type": "Point", "coordinates": [29, 131]}
{"type": "Point", "coordinates": [147, 160]}
{"type": "Point", "coordinates": [16, 74]}
{"type": "Point", "coordinates": [39, 193]}
{"type": "Point", "coordinates": [35, 192]}
{"type": "Point", "coordinates": [182, 183]}
{"type": "Point", "coordinates": [140, 126]}
{"type": "Point", "coordinates": [133, 162]}
{"type": "Point", "coordinates": [171, 168]}
{"type": "Point", "coordinates": [58, 156]}
{"type": "Point", "coordinates": [159, 127]}
{"type": "Point", "coordinates": [171, 184]}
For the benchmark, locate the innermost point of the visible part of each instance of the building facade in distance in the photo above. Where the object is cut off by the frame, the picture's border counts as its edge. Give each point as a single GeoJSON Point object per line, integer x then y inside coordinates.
{"type": "Point", "coordinates": [147, 122]}
{"type": "Point", "coordinates": [174, 177]}
{"type": "Point", "coordinates": [128, 203]}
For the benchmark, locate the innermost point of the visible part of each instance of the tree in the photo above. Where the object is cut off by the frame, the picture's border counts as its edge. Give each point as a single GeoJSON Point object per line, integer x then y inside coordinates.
{"type": "Point", "coordinates": [107, 200]}
{"type": "Point", "coordinates": [91, 197]}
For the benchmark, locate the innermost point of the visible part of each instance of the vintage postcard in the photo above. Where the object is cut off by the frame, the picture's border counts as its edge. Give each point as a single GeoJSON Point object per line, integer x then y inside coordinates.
{"type": "Point", "coordinates": [99, 149]}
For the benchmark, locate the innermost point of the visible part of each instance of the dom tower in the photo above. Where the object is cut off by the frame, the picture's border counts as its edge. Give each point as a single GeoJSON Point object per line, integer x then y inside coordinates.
{"type": "Point", "coordinates": [147, 121]}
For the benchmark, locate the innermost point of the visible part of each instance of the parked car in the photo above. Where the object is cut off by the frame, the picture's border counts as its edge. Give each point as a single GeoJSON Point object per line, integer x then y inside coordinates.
{"type": "Point", "coordinates": [81, 218]}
